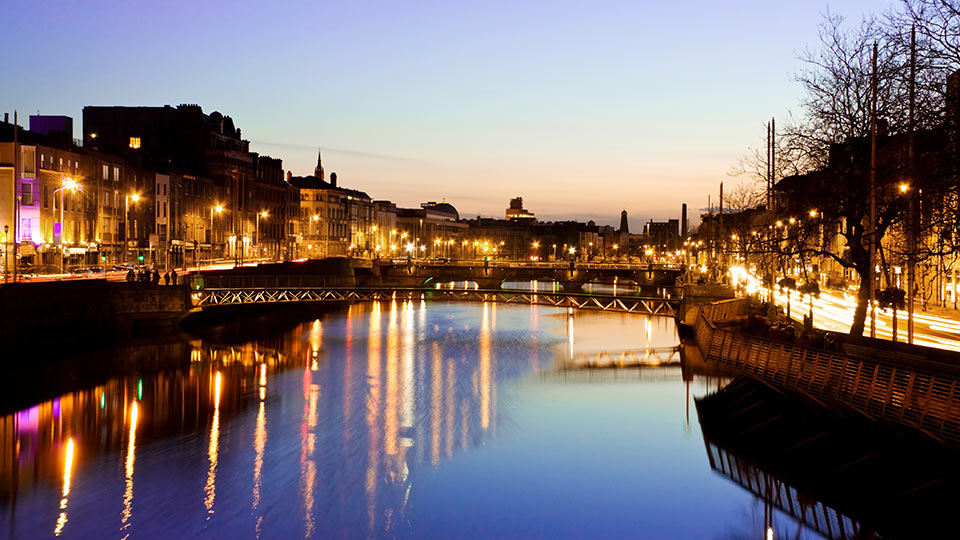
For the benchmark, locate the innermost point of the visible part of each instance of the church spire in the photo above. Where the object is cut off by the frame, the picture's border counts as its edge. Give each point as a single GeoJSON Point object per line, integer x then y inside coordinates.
{"type": "Point", "coordinates": [318, 172]}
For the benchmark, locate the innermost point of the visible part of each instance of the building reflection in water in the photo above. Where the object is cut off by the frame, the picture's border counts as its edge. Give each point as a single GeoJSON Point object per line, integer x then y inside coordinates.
{"type": "Point", "coordinates": [428, 391]}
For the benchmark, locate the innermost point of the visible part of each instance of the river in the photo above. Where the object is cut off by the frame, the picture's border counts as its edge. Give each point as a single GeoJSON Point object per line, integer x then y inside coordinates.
{"type": "Point", "coordinates": [391, 420]}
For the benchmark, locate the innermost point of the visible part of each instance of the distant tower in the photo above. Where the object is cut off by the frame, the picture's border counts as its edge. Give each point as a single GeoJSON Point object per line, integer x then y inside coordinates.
{"type": "Point", "coordinates": [318, 172]}
{"type": "Point", "coordinates": [624, 226]}
{"type": "Point", "coordinates": [333, 178]}
{"type": "Point", "coordinates": [683, 222]}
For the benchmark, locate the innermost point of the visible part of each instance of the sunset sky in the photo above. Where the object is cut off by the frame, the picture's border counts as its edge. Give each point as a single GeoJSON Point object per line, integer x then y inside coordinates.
{"type": "Point", "coordinates": [581, 108]}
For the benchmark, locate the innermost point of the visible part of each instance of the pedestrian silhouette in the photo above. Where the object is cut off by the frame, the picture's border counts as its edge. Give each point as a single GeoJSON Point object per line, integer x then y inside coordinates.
{"type": "Point", "coordinates": [131, 277]}
{"type": "Point", "coordinates": [173, 277]}
{"type": "Point", "coordinates": [166, 278]}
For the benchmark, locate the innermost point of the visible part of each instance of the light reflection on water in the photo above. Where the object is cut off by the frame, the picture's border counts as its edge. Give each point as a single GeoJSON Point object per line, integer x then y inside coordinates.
{"type": "Point", "coordinates": [400, 419]}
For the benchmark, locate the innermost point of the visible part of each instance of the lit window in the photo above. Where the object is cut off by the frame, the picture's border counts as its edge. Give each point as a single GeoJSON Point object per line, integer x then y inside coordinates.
{"type": "Point", "coordinates": [134, 142]}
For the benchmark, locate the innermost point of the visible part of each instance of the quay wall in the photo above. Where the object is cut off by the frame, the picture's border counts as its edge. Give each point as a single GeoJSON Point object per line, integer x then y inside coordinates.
{"type": "Point", "coordinates": [915, 391]}
{"type": "Point", "coordinates": [86, 309]}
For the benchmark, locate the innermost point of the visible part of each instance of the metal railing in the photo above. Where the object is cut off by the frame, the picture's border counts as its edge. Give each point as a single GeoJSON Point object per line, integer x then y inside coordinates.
{"type": "Point", "coordinates": [826, 520]}
{"type": "Point", "coordinates": [270, 289]}
{"type": "Point", "coordinates": [890, 388]}
{"type": "Point", "coordinates": [561, 265]}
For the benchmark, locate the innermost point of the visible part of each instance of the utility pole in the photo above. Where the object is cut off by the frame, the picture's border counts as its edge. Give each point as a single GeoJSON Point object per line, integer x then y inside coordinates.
{"type": "Point", "coordinates": [911, 195]}
{"type": "Point", "coordinates": [769, 171]}
{"type": "Point", "coordinates": [13, 198]}
{"type": "Point", "coordinates": [720, 232]}
{"type": "Point", "coordinates": [772, 160]}
{"type": "Point", "coordinates": [873, 194]}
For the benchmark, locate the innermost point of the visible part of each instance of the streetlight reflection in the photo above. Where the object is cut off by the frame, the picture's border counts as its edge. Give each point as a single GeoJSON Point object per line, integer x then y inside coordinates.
{"type": "Point", "coordinates": [67, 471]}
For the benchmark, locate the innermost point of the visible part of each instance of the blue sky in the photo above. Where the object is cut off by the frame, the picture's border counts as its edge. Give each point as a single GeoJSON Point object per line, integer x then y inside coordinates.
{"type": "Point", "coordinates": [581, 108]}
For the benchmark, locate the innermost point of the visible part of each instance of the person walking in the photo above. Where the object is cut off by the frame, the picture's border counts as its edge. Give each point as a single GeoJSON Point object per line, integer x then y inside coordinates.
{"type": "Point", "coordinates": [166, 278]}
{"type": "Point", "coordinates": [131, 277]}
{"type": "Point", "coordinates": [173, 276]}
{"type": "Point", "coordinates": [156, 277]}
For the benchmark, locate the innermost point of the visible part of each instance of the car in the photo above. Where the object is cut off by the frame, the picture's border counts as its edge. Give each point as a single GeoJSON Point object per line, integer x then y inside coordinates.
{"type": "Point", "coordinates": [124, 267]}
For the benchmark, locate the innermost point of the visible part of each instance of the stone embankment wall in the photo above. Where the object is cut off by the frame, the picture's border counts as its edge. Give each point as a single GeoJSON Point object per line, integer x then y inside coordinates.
{"type": "Point", "coordinates": [916, 391]}
{"type": "Point", "coordinates": [86, 309]}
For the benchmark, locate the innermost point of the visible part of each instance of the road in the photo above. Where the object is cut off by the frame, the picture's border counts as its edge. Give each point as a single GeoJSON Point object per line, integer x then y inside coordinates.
{"type": "Point", "coordinates": [833, 311]}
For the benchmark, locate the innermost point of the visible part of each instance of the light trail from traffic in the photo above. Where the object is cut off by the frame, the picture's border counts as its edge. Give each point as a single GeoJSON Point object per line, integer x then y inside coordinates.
{"type": "Point", "coordinates": [833, 311]}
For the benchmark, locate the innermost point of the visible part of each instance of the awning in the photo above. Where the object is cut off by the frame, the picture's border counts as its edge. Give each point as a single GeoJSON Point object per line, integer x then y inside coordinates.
{"type": "Point", "coordinates": [26, 250]}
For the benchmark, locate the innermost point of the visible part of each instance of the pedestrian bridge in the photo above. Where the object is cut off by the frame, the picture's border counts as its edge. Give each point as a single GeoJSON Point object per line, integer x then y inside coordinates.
{"type": "Point", "coordinates": [571, 276]}
{"type": "Point", "coordinates": [210, 291]}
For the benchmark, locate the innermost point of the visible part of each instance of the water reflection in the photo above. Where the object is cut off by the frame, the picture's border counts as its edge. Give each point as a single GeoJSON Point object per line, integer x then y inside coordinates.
{"type": "Point", "coordinates": [67, 471]}
{"type": "Point", "coordinates": [373, 426]}
{"type": "Point", "coordinates": [842, 478]}
{"type": "Point", "coordinates": [128, 471]}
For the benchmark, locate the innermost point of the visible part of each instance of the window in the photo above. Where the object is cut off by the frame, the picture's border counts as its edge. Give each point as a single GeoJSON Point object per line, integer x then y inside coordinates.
{"type": "Point", "coordinates": [26, 194]}
{"type": "Point", "coordinates": [164, 208]}
{"type": "Point", "coordinates": [116, 174]}
{"type": "Point", "coordinates": [106, 172]}
{"type": "Point", "coordinates": [46, 196]}
{"type": "Point", "coordinates": [28, 161]}
{"type": "Point", "coordinates": [26, 231]}
{"type": "Point", "coordinates": [134, 142]}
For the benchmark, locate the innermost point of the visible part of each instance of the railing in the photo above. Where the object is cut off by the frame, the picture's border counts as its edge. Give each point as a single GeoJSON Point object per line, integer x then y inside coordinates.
{"type": "Point", "coordinates": [890, 388]}
{"type": "Point", "coordinates": [826, 520]}
{"type": "Point", "coordinates": [560, 265]}
{"type": "Point", "coordinates": [199, 281]}
{"type": "Point", "coordinates": [204, 296]}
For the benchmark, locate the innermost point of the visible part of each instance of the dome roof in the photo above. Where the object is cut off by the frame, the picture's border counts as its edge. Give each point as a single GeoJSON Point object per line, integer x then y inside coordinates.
{"type": "Point", "coordinates": [444, 208]}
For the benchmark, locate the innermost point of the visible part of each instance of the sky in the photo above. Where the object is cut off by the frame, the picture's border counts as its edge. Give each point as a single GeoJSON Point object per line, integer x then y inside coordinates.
{"type": "Point", "coordinates": [582, 108]}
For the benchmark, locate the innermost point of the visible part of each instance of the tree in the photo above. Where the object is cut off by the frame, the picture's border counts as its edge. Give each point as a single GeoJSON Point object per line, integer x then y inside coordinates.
{"type": "Point", "coordinates": [835, 135]}
{"type": "Point", "coordinates": [893, 298]}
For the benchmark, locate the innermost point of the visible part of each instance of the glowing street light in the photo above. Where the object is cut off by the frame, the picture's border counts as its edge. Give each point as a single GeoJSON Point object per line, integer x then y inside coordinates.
{"type": "Point", "coordinates": [69, 184]}
{"type": "Point", "coordinates": [263, 214]}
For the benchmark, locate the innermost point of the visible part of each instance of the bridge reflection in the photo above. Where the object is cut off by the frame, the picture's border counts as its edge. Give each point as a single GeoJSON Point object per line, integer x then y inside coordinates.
{"type": "Point", "coordinates": [844, 478]}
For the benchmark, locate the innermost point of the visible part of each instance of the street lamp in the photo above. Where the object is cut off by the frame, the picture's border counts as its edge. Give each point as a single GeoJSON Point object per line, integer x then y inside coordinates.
{"type": "Point", "coordinates": [264, 214]}
{"type": "Point", "coordinates": [69, 184]}
{"type": "Point", "coordinates": [218, 209]}
{"type": "Point", "coordinates": [135, 197]}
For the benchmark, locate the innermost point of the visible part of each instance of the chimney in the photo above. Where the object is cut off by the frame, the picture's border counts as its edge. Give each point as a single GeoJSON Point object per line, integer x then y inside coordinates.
{"type": "Point", "coordinates": [333, 179]}
{"type": "Point", "coordinates": [6, 118]}
{"type": "Point", "coordinates": [683, 222]}
{"type": "Point", "coordinates": [289, 175]}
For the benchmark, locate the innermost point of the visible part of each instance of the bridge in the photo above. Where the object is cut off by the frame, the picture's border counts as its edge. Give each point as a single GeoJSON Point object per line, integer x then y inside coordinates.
{"type": "Point", "coordinates": [490, 275]}
{"type": "Point", "coordinates": [209, 291]}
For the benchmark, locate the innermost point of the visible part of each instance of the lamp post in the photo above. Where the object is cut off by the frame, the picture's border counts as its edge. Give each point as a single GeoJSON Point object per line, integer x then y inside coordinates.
{"type": "Point", "coordinates": [69, 184]}
{"type": "Point", "coordinates": [135, 197]}
{"type": "Point", "coordinates": [6, 264]}
{"type": "Point", "coordinates": [263, 215]}
{"type": "Point", "coordinates": [316, 229]}
{"type": "Point", "coordinates": [218, 209]}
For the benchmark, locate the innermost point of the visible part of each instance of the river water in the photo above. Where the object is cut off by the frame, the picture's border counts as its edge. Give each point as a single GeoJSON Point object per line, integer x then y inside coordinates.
{"type": "Point", "coordinates": [404, 419]}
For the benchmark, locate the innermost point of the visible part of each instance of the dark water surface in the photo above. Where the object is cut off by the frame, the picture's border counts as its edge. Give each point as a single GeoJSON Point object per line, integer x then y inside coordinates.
{"type": "Point", "coordinates": [393, 420]}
